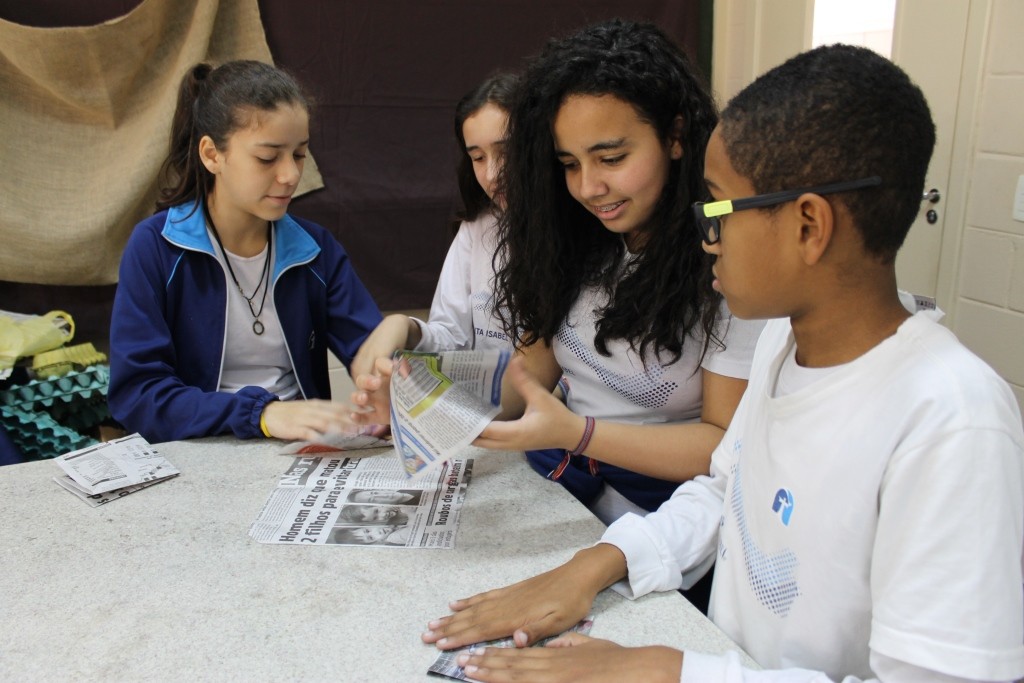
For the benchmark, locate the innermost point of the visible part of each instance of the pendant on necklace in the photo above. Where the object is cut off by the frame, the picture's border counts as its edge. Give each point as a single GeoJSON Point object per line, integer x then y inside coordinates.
{"type": "Point", "coordinates": [257, 327]}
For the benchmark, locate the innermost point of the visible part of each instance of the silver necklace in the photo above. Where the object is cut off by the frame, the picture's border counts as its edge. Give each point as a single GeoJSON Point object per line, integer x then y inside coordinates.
{"type": "Point", "coordinates": [257, 325]}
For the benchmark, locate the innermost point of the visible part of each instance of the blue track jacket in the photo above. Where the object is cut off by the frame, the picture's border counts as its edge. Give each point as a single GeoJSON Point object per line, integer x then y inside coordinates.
{"type": "Point", "coordinates": [168, 324]}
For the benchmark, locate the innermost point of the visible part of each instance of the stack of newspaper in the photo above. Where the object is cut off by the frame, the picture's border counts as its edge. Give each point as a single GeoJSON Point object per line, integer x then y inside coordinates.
{"type": "Point", "coordinates": [113, 469]}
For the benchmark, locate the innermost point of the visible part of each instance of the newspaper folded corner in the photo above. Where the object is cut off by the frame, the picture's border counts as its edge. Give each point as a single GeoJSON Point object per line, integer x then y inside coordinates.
{"type": "Point", "coordinates": [369, 436]}
{"type": "Point", "coordinates": [447, 665]}
{"type": "Point", "coordinates": [440, 402]}
{"type": "Point", "coordinates": [113, 469]}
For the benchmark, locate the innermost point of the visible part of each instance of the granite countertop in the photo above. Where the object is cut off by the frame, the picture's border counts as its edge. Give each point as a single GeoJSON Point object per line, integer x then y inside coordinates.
{"type": "Point", "coordinates": [166, 584]}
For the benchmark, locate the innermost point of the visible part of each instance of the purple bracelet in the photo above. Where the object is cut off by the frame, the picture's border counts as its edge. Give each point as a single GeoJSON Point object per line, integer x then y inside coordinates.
{"type": "Point", "coordinates": [588, 431]}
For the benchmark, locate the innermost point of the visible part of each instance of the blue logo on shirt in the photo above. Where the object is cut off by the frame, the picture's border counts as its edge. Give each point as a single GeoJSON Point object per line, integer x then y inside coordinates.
{"type": "Point", "coordinates": [783, 504]}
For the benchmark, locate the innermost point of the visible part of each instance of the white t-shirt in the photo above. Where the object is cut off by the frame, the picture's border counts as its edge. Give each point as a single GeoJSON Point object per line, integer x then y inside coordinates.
{"type": "Point", "coordinates": [619, 388]}
{"type": "Point", "coordinates": [250, 359]}
{"type": "Point", "coordinates": [462, 313]}
{"type": "Point", "coordinates": [868, 524]}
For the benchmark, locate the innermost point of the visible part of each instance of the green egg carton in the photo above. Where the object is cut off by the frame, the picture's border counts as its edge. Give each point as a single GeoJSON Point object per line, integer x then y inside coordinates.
{"type": "Point", "coordinates": [47, 417]}
{"type": "Point", "coordinates": [43, 394]}
{"type": "Point", "coordinates": [38, 436]}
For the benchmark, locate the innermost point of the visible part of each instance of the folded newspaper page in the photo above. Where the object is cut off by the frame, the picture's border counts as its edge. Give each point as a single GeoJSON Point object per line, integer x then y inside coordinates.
{"type": "Point", "coordinates": [370, 436]}
{"type": "Point", "coordinates": [440, 402]}
{"type": "Point", "coordinates": [364, 501]}
{"type": "Point", "coordinates": [113, 469]}
{"type": "Point", "coordinates": [447, 665]}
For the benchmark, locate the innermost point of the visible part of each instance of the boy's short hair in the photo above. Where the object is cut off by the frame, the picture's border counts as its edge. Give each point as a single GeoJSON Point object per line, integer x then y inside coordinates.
{"type": "Point", "coordinates": [832, 114]}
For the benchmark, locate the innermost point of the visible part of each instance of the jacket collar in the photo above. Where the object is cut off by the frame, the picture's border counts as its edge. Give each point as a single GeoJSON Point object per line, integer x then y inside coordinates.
{"type": "Point", "coordinates": [186, 227]}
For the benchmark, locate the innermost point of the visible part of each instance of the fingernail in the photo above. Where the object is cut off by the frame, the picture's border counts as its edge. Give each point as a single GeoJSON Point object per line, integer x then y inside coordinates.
{"type": "Point", "coordinates": [443, 641]}
{"type": "Point", "coordinates": [470, 669]}
{"type": "Point", "coordinates": [462, 659]}
{"type": "Point", "coordinates": [433, 624]}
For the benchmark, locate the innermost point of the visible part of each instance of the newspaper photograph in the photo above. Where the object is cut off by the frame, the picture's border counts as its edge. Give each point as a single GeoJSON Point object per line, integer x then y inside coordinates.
{"type": "Point", "coordinates": [447, 666]}
{"type": "Point", "coordinates": [367, 501]}
{"type": "Point", "coordinates": [440, 402]}
{"type": "Point", "coordinates": [113, 469]}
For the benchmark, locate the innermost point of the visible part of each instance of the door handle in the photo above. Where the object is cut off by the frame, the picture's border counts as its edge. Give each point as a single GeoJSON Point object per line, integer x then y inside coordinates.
{"type": "Point", "coordinates": [932, 196]}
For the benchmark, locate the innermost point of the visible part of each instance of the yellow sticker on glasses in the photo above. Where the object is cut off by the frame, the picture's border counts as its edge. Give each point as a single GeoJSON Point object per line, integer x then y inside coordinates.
{"type": "Point", "coordinates": [721, 208]}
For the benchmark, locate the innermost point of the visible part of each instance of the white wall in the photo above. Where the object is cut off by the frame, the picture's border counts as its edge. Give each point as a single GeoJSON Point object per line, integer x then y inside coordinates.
{"type": "Point", "coordinates": [990, 291]}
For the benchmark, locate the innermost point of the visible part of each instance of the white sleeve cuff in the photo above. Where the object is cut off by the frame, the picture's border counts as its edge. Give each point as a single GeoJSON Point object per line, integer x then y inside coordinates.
{"type": "Point", "coordinates": [650, 566]}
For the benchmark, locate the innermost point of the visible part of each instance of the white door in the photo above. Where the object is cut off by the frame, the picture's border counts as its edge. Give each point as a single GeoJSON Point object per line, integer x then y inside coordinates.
{"type": "Point", "coordinates": [929, 38]}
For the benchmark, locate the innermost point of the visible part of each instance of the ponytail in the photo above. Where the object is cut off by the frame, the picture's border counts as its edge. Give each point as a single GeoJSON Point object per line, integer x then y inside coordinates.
{"type": "Point", "coordinates": [183, 177]}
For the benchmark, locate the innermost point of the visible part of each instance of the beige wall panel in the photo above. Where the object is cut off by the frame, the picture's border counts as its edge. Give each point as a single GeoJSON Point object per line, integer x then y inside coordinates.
{"type": "Point", "coordinates": [986, 266]}
{"type": "Point", "coordinates": [1000, 115]}
{"type": "Point", "coordinates": [1016, 299]}
{"type": "Point", "coordinates": [996, 335]}
{"type": "Point", "coordinates": [990, 204]}
{"type": "Point", "coordinates": [1007, 53]}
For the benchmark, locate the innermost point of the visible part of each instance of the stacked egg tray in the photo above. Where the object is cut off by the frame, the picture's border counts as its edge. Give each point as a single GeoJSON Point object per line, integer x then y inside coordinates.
{"type": "Point", "coordinates": [49, 417]}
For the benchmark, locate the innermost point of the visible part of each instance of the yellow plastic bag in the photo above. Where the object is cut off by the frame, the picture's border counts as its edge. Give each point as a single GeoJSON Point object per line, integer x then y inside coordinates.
{"type": "Point", "coordinates": [22, 336]}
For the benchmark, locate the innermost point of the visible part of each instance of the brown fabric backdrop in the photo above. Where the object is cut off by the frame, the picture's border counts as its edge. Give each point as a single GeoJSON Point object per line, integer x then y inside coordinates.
{"type": "Point", "coordinates": [86, 116]}
{"type": "Point", "coordinates": [386, 75]}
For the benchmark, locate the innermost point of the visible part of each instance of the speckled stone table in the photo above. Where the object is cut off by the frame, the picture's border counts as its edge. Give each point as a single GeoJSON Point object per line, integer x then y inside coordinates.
{"type": "Point", "coordinates": [166, 585]}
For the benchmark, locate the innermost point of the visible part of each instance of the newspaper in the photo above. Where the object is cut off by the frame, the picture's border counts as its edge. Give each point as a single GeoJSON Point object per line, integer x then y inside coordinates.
{"type": "Point", "coordinates": [440, 402]}
{"type": "Point", "coordinates": [370, 436]}
{"type": "Point", "coordinates": [364, 501]}
{"type": "Point", "coordinates": [113, 469]}
{"type": "Point", "coordinates": [446, 664]}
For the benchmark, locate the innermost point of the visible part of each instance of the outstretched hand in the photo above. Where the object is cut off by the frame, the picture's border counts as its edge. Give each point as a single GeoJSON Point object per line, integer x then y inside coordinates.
{"type": "Point", "coordinates": [545, 423]}
{"type": "Point", "coordinates": [542, 606]}
{"type": "Point", "coordinates": [575, 658]}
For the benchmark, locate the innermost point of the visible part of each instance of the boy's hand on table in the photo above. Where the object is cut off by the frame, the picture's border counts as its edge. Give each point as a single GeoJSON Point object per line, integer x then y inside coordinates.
{"type": "Point", "coordinates": [542, 606]}
{"type": "Point", "coordinates": [575, 658]}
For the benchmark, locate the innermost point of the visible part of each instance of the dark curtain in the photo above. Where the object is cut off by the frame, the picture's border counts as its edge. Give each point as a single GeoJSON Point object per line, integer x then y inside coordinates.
{"type": "Point", "coordinates": [385, 75]}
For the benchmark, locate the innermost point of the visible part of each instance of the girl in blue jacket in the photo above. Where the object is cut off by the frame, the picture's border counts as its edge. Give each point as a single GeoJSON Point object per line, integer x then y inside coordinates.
{"type": "Point", "coordinates": [226, 303]}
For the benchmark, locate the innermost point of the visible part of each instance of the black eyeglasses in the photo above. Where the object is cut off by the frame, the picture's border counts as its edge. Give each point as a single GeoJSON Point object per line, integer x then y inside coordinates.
{"type": "Point", "coordinates": [709, 214]}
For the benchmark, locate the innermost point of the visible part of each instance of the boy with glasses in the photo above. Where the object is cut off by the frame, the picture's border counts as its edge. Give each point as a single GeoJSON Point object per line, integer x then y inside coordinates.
{"type": "Point", "coordinates": [865, 508]}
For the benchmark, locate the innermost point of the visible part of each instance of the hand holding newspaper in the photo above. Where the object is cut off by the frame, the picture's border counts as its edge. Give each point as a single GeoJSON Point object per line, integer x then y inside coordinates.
{"type": "Point", "coordinates": [440, 402]}
{"type": "Point", "coordinates": [113, 469]}
{"type": "Point", "coordinates": [447, 664]}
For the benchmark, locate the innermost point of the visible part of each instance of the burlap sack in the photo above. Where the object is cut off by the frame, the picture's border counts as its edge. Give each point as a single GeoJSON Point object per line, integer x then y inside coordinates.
{"type": "Point", "coordinates": [85, 116]}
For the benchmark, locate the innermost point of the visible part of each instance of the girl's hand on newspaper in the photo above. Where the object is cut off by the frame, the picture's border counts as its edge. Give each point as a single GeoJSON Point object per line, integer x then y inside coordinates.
{"type": "Point", "coordinates": [545, 423]}
{"type": "Point", "coordinates": [372, 397]}
{"type": "Point", "coordinates": [542, 606]}
{"type": "Point", "coordinates": [574, 657]}
{"type": "Point", "coordinates": [307, 420]}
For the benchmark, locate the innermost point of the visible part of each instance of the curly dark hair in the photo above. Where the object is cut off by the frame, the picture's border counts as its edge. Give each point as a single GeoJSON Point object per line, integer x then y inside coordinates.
{"type": "Point", "coordinates": [550, 246]}
{"type": "Point", "coordinates": [832, 114]}
{"type": "Point", "coordinates": [498, 89]}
